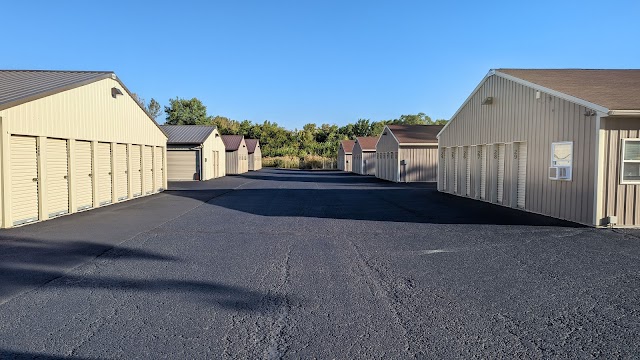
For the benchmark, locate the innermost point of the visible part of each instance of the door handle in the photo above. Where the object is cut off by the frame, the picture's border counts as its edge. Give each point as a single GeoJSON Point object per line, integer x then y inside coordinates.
{"type": "Point", "coordinates": [90, 175]}
{"type": "Point", "coordinates": [65, 177]}
{"type": "Point", "coordinates": [34, 179]}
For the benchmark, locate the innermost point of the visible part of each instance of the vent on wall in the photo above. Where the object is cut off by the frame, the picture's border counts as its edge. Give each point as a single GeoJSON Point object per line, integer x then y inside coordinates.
{"type": "Point", "coordinates": [560, 172]}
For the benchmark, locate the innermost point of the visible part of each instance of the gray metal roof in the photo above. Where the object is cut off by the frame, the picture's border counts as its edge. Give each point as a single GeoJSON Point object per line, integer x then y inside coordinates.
{"type": "Point", "coordinates": [251, 145]}
{"type": "Point", "coordinates": [21, 86]}
{"type": "Point", "coordinates": [232, 142]}
{"type": "Point", "coordinates": [187, 134]}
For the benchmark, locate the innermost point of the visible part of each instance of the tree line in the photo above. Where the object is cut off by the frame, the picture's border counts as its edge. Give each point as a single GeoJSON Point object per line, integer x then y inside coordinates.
{"type": "Point", "coordinates": [312, 139]}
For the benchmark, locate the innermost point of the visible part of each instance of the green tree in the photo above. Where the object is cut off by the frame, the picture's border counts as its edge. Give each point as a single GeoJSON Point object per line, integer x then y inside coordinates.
{"type": "Point", "coordinates": [362, 127]}
{"type": "Point", "coordinates": [153, 108]}
{"type": "Point", "coordinates": [186, 112]}
{"type": "Point", "coordinates": [441, 122]}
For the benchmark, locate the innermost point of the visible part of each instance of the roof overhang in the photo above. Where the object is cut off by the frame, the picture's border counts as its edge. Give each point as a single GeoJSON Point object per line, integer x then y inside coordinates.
{"type": "Point", "coordinates": [634, 113]}
{"type": "Point", "coordinates": [419, 144]}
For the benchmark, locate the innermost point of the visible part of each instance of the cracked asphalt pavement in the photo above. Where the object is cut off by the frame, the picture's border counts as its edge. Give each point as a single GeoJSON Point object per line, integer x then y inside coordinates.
{"type": "Point", "coordinates": [300, 264]}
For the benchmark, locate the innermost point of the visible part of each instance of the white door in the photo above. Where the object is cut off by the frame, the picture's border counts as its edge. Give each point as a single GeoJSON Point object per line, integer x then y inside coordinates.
{"type": "Point", "coordinates": [522, 174]}
{"type": "Point", "coordinates": [83, 175]}
{"type": "Point", "coordinates": [500, 182]}
{"type": "Point", "coordinates": [182, 164]}
{"type": "Point", "coordinates": [483, 172]}
{"type": "Point", "coordinates": [57, 178]}
{"type": "Point", "coordinates": [454, 154]}
{"type": "Point", "coordinates": [468, 170]}
{"type": "Point", "coordinates": [122, 175]}
{"type": "Point", "coordinates": [104, 173]}
{"type": "Point", "coordinates": [158, 167]}
{"type": "Point", "coordinates": [136, 170]}
{"type": "Point", "coordinates": [24, 179]}
{"type": "Point", "coordinates": [148, 169]}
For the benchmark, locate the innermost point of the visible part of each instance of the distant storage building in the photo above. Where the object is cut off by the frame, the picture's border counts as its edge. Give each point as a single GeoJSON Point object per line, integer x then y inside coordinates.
{"type": "Point", "coordinates": [237, 155]}
{"type": "Point", "coordinates": [71, 141]}
{"type": "Point", "coordinates": [408, 153]}
{"type": "Point", "coordinates": [563, 143]}
{"type": "Point", "coordinates": [194, 152]}
{"type": "Point", "coordinates": [255, 154]}
{"type": "Point", "coordinates": [364, 155]}
{"type": "Point", "coordinates": [345, 152]}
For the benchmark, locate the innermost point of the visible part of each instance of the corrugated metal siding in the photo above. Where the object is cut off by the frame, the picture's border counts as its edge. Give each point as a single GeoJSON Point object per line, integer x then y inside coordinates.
{"type": "Point", "coordinates": [619, 200]}
{"type": "Point", "coordinates": [24, 179]}
{"type": "Point", "coordinates": [369, 163]}
{"type": "Point", "coordinates": [356, 158]}
{"type": "Point", "coordinates": [136, 169]}
{"type": "Point", "coordinates": [257, 159]}
{"type": "Point", "coordinates": [237, 162]}
{"type": "Point", "coordinates": [122, 177]}
{"type": "Point", "coordinates": [86, 113]}
{"type": "Point", "coordinates": [387, 163]}
{"type": "Point", "coordinates": [57, 177]}
{"type": "Point", "coordinates": [341, 159]}
{"type": "Point", "coordinates": [517, 116]}
{"type": "Point", "coordinates": [83, 175]}
{"type": "Point", "coordinates": [212, 146]}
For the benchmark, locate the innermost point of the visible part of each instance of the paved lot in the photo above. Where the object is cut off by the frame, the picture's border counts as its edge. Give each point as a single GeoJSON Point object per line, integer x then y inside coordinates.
{"type": "Point", "coordinates": [299, 264]}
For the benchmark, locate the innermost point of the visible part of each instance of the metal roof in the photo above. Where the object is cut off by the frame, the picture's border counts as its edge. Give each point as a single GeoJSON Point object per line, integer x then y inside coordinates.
{"type": "Point", "coordinates": [347, 145]}
{"type": "Point", "coordinates": [21, 86]}
{"type": "Point", "coordinates": [232, 142]}
{"type": "Point", "coordinates": [613, 89]}
{"type": "Point", "coordinates": [251, 145]}
{"type": "Point", "coordinates": [416, 134]}
{"type": "Point", "coordinates": [367, 143]}
{"type": "Point", "coordinates": [187, 134]}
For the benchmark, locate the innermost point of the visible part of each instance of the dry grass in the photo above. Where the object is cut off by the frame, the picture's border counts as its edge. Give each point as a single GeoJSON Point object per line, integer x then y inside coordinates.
{"type": "Point", "coordinates": [294, 162]}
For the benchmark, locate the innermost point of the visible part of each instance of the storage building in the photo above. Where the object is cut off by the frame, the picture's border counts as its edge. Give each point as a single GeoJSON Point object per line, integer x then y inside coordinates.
{"type": "Point", "coordinates": [71, 141]}
{"type": "Point", "coordinates": [345, 152]}
{"type": "Point", "coordinates": [194, 152]}
{"type": "Point", "coordinates": [237, 156]}
{"type": "Point", "coordinates": [563, 143]}
{"type": "Point", "coordinates": [364, 155]}
{"type": "Point", "coordinates": [408, 153]}
{"type": "Point", "coordinates": [255, 154]}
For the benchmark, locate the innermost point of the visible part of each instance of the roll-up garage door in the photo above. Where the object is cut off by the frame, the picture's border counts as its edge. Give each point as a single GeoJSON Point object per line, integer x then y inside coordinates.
{"type": "Point", "coordinates": [83, 173]}
{"type": "Point", "coordinates": [483, 172]}
{"type": "Point", "coordinates": [57, 177]}
{"type": "Point", "coordinates": [522, 174]}
{"type": "Point", "coordinates": [104, 173]}
{"type": "Point", "coordinates": [182, 164]}
{"type": "Point", "coordinates": [148, 169]}
{"type": "Point", "coordinates": [467, 155]}
{"type": "Point", "coordinates": [454, 154]}
{"type": "Point", "coordinates": [500, 173]}
{"type": "Point", "coordinates": [443, 158]}
{"type": "Point", "coordinates": [24, 179]}
{"type": "Point", "coordinates": [122, 176]}
{"type": "Point", "coordinates": [158, 168]}
{"type": "Point", "coordinates": [136, 170]}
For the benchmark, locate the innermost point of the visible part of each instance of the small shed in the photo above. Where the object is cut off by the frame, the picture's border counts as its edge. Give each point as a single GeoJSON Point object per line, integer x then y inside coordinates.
{"type": "Point", "coordinates": [408, 153]}
{"type": "Point", "coordinates": [237, 155]}
{"type": "Point", "coordinates": [345, 152]}
{"type": "Point", "coordinates": [558, 142]}
{"type": "Point", "coordinates": [255, 154]}
{"type": "Point", "coordinates": [364, 155]}
{"type": "Point", "coordinates": [194, 152]}
{"type": "Point", "coordinates": [72, 141]}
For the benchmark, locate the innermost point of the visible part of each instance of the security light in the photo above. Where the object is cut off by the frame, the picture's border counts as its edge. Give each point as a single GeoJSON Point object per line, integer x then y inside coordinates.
{"type": "Point", "coordinates": [115, 92]}
{"type": "Point", "coordinates": [487, 101]}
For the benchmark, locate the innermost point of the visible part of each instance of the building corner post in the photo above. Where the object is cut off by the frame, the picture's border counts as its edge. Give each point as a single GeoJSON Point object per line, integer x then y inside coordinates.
{"type": "Point", "coordinates": [598, 185]}
{"type": "Point", "coordinates": [5, 179]}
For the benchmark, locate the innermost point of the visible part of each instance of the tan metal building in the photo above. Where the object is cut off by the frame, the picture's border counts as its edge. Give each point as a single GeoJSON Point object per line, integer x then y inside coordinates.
{"type": "Point", "coordinates": [408, 153]}
{"type": "Point", "coordinates": [364, 155]}
{"type": "Point", "coordinates": [255, 154]}
{"type": "Point", "coordinates": [237, 155]}
{"type": "Point", "coordinates": [71, 141]}
{"type": "Point", "coordinates": [563, 143]}
{"type": "Point", "coordinates": [345, 155]}
{"type": "Point", "coordinates": [194, 152]}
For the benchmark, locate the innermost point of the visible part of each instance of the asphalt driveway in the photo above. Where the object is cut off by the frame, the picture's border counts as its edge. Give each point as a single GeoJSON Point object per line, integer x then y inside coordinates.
{"type": "Point", "coordinates": [299, 264]}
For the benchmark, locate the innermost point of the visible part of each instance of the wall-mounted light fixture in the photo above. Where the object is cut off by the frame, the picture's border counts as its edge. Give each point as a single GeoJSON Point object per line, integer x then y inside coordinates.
{"type": "Point", "coordinates": [384, 133]}
{"type": "Point", "coordinates": [115, 92]}
{"type": "Point", "coordinates": [538, 95]}
{"type": "Point", "coordinates": [487, 101]}
{"type": "Point", "coordinates": [589, 112]}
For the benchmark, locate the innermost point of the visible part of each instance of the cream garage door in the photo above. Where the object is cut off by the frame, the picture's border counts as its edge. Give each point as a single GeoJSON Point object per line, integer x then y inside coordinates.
{"type": "Point", "coordinates": [57, 178]}
{"type": "Point", "coordinates": [148, 169]}
{"type": "Point", "coordinates": [24, 179]}
{"type": "Point", "coordinates": [136, 170]}
{"type": "Point", "coordinates": [158, 169]}
{"type": "Point", "coordinates": [122, 175]}
{"type": "Point", "coordinates": [522, 174]}
{"type": "Point", "coordinates": [104, 182]}
{"type": "Point", "coordinates": [83, 173]}
{"type": "Point", "coordinates": [182, 164]}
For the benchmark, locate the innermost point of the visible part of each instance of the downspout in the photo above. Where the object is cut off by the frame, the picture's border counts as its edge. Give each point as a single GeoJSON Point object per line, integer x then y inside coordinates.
{"type": "Point", "coordinates": [598, 185]}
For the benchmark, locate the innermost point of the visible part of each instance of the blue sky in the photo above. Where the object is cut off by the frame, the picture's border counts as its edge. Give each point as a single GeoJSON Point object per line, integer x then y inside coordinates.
{"type": "Point", "coordinates": [295, 62]}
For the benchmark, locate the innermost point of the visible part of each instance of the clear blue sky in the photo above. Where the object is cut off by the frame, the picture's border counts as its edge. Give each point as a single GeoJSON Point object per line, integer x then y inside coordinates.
{"type": "Point", "coordinates": [324, 61]}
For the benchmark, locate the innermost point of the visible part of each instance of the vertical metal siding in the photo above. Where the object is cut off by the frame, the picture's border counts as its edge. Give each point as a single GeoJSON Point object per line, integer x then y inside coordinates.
{"type": "Point", "coordinates": [24, 179]}
{"type": "Point", "coordinates": [57, 189]}
{"type": "Point", "coordinates": [516, 116]}
{"type": "Point", "coordinates": [83, 174]}
{"type": "Point", "coordinates": [385, 166]}
{"type": "Point", "coordinates": [422, 162]}
{"type": "Point", "coordinates": [621, 200]}
{"type": "Point", "coordinates": [104, 173]}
